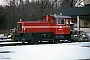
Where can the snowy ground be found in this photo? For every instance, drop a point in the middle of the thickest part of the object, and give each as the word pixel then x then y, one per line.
pixel 2 36
pixel 65 51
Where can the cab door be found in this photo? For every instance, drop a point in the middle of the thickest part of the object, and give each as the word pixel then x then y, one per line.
pixel 67 26
pixel 60 25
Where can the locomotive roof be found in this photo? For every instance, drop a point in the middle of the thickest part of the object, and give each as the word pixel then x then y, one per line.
pixel 33 22
pixel 58 16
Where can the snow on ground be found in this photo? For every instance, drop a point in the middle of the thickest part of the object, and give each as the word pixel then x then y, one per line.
pixel 65 51
pixel 2 36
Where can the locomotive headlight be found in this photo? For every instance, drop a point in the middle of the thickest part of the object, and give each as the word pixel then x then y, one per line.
pixel 60 26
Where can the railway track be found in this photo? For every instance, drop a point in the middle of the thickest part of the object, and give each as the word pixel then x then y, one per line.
pixel 11 43
pixel 6 40
pixel 20 43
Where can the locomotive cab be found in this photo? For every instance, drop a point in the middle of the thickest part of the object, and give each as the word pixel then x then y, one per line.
pixel 59 20
pixel 62 31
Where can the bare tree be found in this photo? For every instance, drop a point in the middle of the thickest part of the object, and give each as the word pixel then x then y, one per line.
pixel 67 3
pixel 45 6
pixel 8 2
pixel 2 20
pixel 31 10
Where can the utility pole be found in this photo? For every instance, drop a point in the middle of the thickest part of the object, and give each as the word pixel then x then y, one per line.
pixel 78 24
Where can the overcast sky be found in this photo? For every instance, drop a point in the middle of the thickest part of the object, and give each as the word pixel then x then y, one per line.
pixel 2 2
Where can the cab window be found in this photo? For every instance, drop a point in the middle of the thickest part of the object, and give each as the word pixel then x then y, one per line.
pixel 60 21
pixel 66 22
pixel 53 20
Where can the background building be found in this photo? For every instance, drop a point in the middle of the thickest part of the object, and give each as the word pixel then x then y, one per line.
pixel 80 15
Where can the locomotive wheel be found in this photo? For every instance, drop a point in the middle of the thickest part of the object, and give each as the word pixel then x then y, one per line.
pixel 56 41
pixel 23 40
pixel 51 41
pixel 30 42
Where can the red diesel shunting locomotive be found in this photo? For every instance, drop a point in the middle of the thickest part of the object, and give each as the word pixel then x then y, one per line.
pixel 51 28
